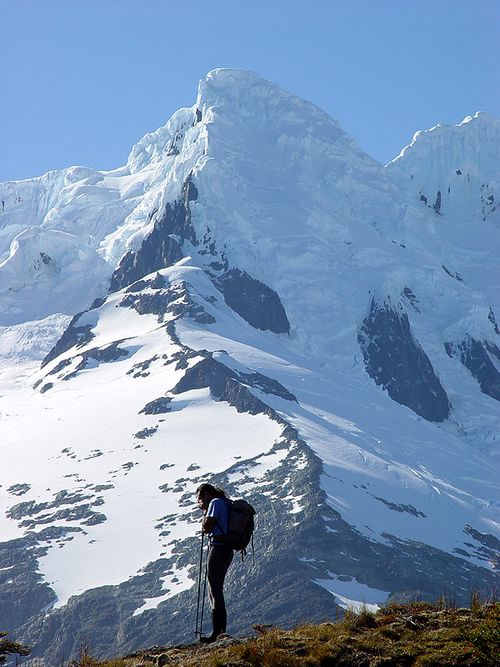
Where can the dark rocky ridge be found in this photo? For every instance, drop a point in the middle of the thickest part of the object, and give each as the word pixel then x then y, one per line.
pixel 175 300
pixel 490 548
pixel 24 593
pixel 159 406
pixel 398 507
pixel 473 354
pixel 159 249
pixel 254 301
pixel 492 319
pixel 19 489
pixel 73 336
pixel 107 354
pixel 226 384
pixel 66 506
pixel 395 360
pixel 158 282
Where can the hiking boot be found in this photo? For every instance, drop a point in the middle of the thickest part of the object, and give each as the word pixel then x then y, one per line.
pixel 223 621
pixel 218 625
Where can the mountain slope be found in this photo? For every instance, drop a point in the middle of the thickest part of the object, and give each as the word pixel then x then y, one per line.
pixel 276 311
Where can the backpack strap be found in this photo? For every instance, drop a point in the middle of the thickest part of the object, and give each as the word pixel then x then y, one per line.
pixel 223 532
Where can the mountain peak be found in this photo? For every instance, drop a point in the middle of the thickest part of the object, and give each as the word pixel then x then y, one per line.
pixel 453 169
pixel 256 99
pixel 481 122
pixel 482 117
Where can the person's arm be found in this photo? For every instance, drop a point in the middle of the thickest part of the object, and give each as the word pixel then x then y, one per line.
pixel 209 520
pixel 208 524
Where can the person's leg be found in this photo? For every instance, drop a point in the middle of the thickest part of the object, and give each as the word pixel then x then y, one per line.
pixel 219 559
pixel 208 575
pixel 227 562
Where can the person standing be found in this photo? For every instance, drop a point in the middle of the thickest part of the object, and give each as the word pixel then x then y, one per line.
pixel 215 507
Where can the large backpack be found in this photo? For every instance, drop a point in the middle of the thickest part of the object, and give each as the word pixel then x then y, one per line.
pixel 240 524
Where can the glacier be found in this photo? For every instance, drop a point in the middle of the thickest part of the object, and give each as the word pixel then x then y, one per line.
pixel 254 299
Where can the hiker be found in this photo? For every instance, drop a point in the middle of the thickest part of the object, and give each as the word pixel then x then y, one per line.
pixel 215 507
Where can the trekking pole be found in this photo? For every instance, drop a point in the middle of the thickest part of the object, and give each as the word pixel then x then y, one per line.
pixel 203 598
pixel 199 587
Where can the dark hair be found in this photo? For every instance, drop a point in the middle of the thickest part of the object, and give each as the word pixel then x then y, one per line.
pixel 212 490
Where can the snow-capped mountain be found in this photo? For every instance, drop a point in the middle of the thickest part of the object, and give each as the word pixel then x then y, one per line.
pixel 254 300
pixel 436 159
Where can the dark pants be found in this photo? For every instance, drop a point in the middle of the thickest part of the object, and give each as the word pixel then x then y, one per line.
pixel 219 560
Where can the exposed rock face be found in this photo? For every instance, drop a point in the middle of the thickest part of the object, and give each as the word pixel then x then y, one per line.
pixel 492 319
pixel 160 248
pixel 490 548
pixel 157 251
pixel 254 301
pixel 473 354
pixel 106 354
pixel 24 594
pixel 227 385
pixel 267 385
pixel 153 296
pixel 157 407
pixel 158 282
pixel 19 489
pixel 65 506
pixel 73 336
pixel 437 203
pixel 395 360
pixel 111 352
pixel 175 300
pixel 398 507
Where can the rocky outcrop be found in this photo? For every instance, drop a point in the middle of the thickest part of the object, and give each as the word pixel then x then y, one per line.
pixel 158 282
pixel 254 301
pixel 94 356
pixel 162 246
pixel 395 360
pixel 175 300
pixel 474 355
pixel 66 506
pixel 157 407
pixel 74 336
pixel 228 385
pixel 157 251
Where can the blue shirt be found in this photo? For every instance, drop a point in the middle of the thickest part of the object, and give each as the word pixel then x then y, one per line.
pixel 219 510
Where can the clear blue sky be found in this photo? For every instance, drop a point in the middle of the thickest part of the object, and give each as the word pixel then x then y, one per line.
pixel 82 81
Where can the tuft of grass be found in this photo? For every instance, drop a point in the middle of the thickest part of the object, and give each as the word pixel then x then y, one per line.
pixel 85 659
pixel 363 619
pixel 485 638
pixel 476 601
pixel 409 635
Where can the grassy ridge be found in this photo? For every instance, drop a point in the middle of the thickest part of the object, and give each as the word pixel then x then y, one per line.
pixel 419 634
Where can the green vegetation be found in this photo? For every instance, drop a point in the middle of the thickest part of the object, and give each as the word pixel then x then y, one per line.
pixel 8 647
pixel 416 635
